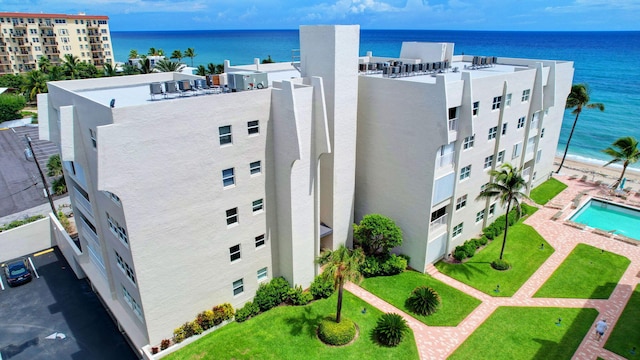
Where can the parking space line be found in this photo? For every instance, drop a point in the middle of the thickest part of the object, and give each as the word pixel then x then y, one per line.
pixel 34 268
pixel 43 252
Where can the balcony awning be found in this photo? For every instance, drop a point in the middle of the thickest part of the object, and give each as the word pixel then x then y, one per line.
pixel 325 230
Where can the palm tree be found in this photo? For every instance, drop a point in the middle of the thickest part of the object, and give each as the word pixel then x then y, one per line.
pixel 341 265
pixel 190 53
pixel 56 73
pixel 145 66
pixel 70 65
pixel 128 69
pixel 109 70
pixel 152 51
pixel 506 185
pixel 211 69
pixel 626 151
pixel 54 166
pixel 578 99
pixel 201 70
pixel 133 54
pixel 166 65
pixel 36 83
pixel 177 54
pixel 44 64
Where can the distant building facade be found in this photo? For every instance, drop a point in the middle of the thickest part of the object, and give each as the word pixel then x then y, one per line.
pixel 25 37
pixel 183 201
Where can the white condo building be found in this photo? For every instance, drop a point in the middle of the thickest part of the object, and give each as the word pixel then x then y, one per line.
pixel 183 202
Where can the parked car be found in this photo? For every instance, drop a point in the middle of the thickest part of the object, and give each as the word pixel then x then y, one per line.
pixel 17 272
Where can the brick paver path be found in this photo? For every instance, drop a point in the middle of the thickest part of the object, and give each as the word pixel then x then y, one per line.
pixel 438 342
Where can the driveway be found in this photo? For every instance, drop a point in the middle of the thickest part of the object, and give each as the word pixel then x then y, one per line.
pixel 57 317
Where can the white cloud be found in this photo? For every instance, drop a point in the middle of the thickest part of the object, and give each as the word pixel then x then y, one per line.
pixel 596 5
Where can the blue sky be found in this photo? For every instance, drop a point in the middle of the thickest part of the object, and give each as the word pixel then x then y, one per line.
pixel 370 14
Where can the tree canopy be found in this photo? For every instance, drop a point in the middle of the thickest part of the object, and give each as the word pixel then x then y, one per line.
pixel 377 234
pixel 341 265
pixel 624 150
pixel 10 106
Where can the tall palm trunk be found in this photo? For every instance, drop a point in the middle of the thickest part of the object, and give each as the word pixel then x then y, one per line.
pixel 624 169
pixel 506 228
pixel 568 142
pixel 339 309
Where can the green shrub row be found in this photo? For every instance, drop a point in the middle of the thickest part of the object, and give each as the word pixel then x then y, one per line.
pixel 204 321
pixel 497 227
pixel 272 294
pixel 16 223
pixel 383 265
pixel 469 247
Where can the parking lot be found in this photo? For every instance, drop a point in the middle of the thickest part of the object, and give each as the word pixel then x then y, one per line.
pixel 57 317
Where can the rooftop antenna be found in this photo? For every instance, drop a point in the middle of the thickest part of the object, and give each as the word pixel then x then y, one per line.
pixel 112 103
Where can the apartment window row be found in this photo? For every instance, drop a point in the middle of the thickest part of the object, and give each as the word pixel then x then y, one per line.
pixel 131 302
pixel 461 202
pixel 238 285
pixel 126 269
pixel 228 175
pixel 117 230
pixel 232 214
pixel 224 132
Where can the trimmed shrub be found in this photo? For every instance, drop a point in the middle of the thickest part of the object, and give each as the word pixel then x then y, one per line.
pixel 248 310
pixel 180 334
pixel 423 301
pixel 164 344
pixel 483 241
pixel 321 288
pixel 383 265
pixel 221 313
pixel 459 254
pixel 370 267
pixel 205 319
pixel 297 296
pixel 332 333
pixel 282 287
pixel 393 265
pixel 406 257
pixel 500 264
pixel 272 294
pixel 469 248
pixel 390 329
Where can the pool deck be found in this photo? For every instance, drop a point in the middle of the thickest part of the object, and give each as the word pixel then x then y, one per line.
pixel 440 342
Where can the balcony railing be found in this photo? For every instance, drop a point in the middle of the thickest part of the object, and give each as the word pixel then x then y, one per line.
pixel 445 160
pixel 453 124
pixel 438 223
pixel 84 202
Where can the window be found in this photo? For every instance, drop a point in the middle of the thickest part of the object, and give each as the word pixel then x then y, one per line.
pixel 131 302
pixel 492 210
pixel 260 240
pixel 493 132
pixel 465 172
pixel 461 202
pixel 476 108
pixel 538 156
pixel 262 274
pixel 500 158
pixel 228 178
pixel 232 216
pixel 453 113
pixel 496 103
pixel 125 268
pixel 504 129
pixel 521 122
pixel 468 142
pixel 457 230
pixel 253 127
pixel 117 230
pixel 234 252
pixel 438 213
pixel 257 206
pixel 225 134
pixel 114 197
pixel 92 134
pixel 488 161
pixel 238 287
pixel 542 133
pixel 479 215
pixel 517 149
pixel 507 101
pixel 525 95
pixel 255 168
pixel 484 187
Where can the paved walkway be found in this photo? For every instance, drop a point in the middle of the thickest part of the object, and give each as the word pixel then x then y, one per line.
pixel 438 342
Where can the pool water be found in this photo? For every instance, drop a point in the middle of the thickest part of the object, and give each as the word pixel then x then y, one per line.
pixel 610 217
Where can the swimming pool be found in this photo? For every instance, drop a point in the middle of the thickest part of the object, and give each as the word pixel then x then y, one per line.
pixel 610 217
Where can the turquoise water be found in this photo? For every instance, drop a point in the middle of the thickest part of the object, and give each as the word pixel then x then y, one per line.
pixel 609 217
pixel 607 61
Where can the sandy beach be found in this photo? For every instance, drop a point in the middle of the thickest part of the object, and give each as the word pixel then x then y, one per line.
pixel 596 172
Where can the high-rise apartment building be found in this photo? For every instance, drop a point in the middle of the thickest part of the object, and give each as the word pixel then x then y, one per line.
pixel 187 198
pixel 26 37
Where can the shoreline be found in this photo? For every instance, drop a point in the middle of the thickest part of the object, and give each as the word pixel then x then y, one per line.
pixel 596 171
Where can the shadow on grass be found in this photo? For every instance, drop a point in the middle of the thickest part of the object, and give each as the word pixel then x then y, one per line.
pixel 569 343
pixel 305 323
pixel 468 271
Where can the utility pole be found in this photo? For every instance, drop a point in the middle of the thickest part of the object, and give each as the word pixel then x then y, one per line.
pixel 44 180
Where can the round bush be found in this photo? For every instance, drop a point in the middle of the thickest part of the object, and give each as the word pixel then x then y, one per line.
pixel 321 287
pixel 390 329
pixel 423 301
pixel 459 254
pixel 501 265
pixel 470 248
pixel 332 333
pixel 483 241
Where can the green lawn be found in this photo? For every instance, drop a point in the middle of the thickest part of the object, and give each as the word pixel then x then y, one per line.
pixel 288 332
pixel 528 333
pixel 522 251
pixel 626 333
pixel 546 191
pixel 395 290
pixel 587 273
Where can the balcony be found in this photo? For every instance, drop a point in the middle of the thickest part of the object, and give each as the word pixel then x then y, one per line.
pixel 438 225
pixel 83 201
pixel 453 129
pixel 445 160
pixel 526 173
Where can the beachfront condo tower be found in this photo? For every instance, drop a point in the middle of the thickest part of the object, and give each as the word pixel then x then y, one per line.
pixel 189 192
pixel 26 37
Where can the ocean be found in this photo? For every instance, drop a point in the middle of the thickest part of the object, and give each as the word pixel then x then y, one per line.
pixel 608 61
